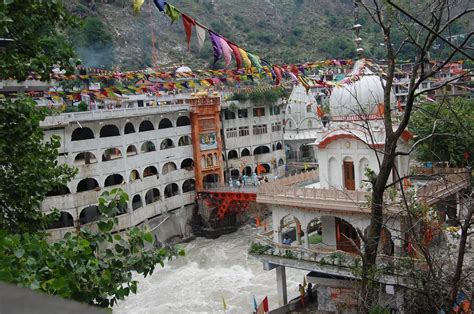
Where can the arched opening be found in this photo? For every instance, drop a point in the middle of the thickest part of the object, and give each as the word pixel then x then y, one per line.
pixel 80 134
pixel 308 108
pixel 187 164
pixel 129 128
pixel 165 124
pixel 290 228
pixel 146 126
pixel 113 179
pixel 89 214
pixel 87 184
pixel 148 147
pixel 247 171
pixel 363 165
pixel 65 220
pixel 184 141
pixel 134 175
pixel 346 236
pixel 60 190
pixel 85 158
pixel 122 209
pixel 315 233
pixel 152 196
pixel 167 143
pixel 209 162
pixel 111 154
pixel 182 121
pixel 171 190
pixel 281 162
pixel 210 180
pixel 232 154
pixel 136 202
pixel 261 150
pixel 245 152
pixel 262 169
pixel 168 167
pixel 150 171
pixel 279 146
pixel 189 185
pixel 310 124
pixel 109 130
pixel 333 172
pixel 348 172
pixel 131 150
pixel 235 174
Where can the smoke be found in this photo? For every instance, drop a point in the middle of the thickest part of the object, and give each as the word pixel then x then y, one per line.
pixel 98 57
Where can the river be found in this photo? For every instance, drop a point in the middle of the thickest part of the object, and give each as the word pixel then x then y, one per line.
pixel 210 271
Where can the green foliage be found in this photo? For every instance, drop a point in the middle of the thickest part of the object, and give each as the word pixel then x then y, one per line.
pixel 82 106
pixel 35 27
pixel 260 96
pixel 88 266
pixel 258 248
pixel 454 131
pixel 315 238
pixel 29 166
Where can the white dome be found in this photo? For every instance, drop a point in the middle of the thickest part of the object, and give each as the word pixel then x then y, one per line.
pixel 182 69
pixel 359 93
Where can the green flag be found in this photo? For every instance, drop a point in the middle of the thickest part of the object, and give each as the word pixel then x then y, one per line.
pixel 172 12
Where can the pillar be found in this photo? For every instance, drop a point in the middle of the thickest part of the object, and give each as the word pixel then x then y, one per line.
pixel 306 239
pixel 281 285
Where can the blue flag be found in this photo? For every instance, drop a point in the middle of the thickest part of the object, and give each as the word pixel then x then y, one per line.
pixel 160 4
pixel 255 306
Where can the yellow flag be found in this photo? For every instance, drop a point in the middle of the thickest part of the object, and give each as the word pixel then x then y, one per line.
pixel 304 281
pixel 224 304
pixel 137 5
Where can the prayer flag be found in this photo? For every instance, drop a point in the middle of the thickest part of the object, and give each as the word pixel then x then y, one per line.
pixel 255 306
pixel 245 58
pixel 278 76
pixel 304 278
pixel 201 35
pixel 255 61
pixel 188 24
pixel 160 4
pixel 137 5
pixel 235 50
pixel 216 45
pixel 226 51
pixel 224 304
pixel 320 111
pixel 263 307
pixel 172 12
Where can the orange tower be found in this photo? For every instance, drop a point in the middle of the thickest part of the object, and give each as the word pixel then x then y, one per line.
pixel 207 142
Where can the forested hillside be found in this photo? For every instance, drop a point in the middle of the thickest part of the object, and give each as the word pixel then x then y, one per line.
pixel 280 31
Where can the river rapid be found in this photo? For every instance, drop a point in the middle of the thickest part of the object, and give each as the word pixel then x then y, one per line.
pixel 210 271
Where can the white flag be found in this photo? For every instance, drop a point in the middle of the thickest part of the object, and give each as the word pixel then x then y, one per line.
pixel 201 35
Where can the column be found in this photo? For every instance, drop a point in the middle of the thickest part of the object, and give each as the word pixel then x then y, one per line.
pixel 306 239
pixel 281 285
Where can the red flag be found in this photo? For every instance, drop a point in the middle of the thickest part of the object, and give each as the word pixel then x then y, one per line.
pixel 278 76
pixel 238 57
pixel 320 111
pixel 263 307
pixel 188 24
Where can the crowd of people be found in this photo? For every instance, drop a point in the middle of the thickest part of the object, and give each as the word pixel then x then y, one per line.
pixel 245 180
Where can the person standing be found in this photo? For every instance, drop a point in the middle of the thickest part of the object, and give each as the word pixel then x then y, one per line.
pixel 309 290
pixel 301 288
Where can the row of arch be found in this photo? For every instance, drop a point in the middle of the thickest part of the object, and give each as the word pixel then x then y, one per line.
pixel 263 149
pixel 91 213
pixel 109 130
pixel 116 153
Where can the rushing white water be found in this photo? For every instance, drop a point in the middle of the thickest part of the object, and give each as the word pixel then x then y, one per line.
pixel 210 271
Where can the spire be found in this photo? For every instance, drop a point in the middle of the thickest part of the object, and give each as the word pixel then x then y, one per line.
pixel 356 28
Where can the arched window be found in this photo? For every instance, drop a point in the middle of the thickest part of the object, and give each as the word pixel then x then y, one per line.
pixel 171 190
pixel 165 124
pixel 131 150
pixel 310 124
pixel 150 171
pixel 137 202
pixel 109 130
pixel 210 180
pixel 134 175
pixel 235 174
pixel 168 167
pixel 189 185
pixel 166 144
pixel 152 196
pixel 146 126
pixel 245 152
pixel 281 162
pixel 261 150
pixel 65 220
pixel 247 171
pixel 113 179
pixel 262 168
pixel 308 108
pixel 111 154
pixel 288 110
pixel 80 134
pixel 89 214
pixel 85 158
pixel 184 140
pixel 187 164
pixel 279 146
pixel 182 121
pixel 148 147
pixel 129 128
pixel 87 184
pixel 60 190
pixel 209 162
pixel 232 154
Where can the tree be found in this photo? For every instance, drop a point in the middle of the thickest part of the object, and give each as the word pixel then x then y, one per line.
pixel 35 26
pixel 423 23
pixel 88 266
pixel 29 166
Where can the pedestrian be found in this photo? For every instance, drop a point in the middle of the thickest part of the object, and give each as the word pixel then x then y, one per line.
pixel 310 291
pixel 286 240
pixel 301 288
pixel 237 183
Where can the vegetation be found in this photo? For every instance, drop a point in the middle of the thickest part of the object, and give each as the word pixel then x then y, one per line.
pixel 260 96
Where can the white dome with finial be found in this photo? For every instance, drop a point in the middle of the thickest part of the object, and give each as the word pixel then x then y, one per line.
pixel 359 93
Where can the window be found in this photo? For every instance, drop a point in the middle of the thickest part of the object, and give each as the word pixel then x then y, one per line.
pixel 229 115
pixel 243 131
pixel 259 129
pixel 243 113
pixel 276 126
pixel 275 110
pixel 231 132
pixel 259 112
pixel 308 108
